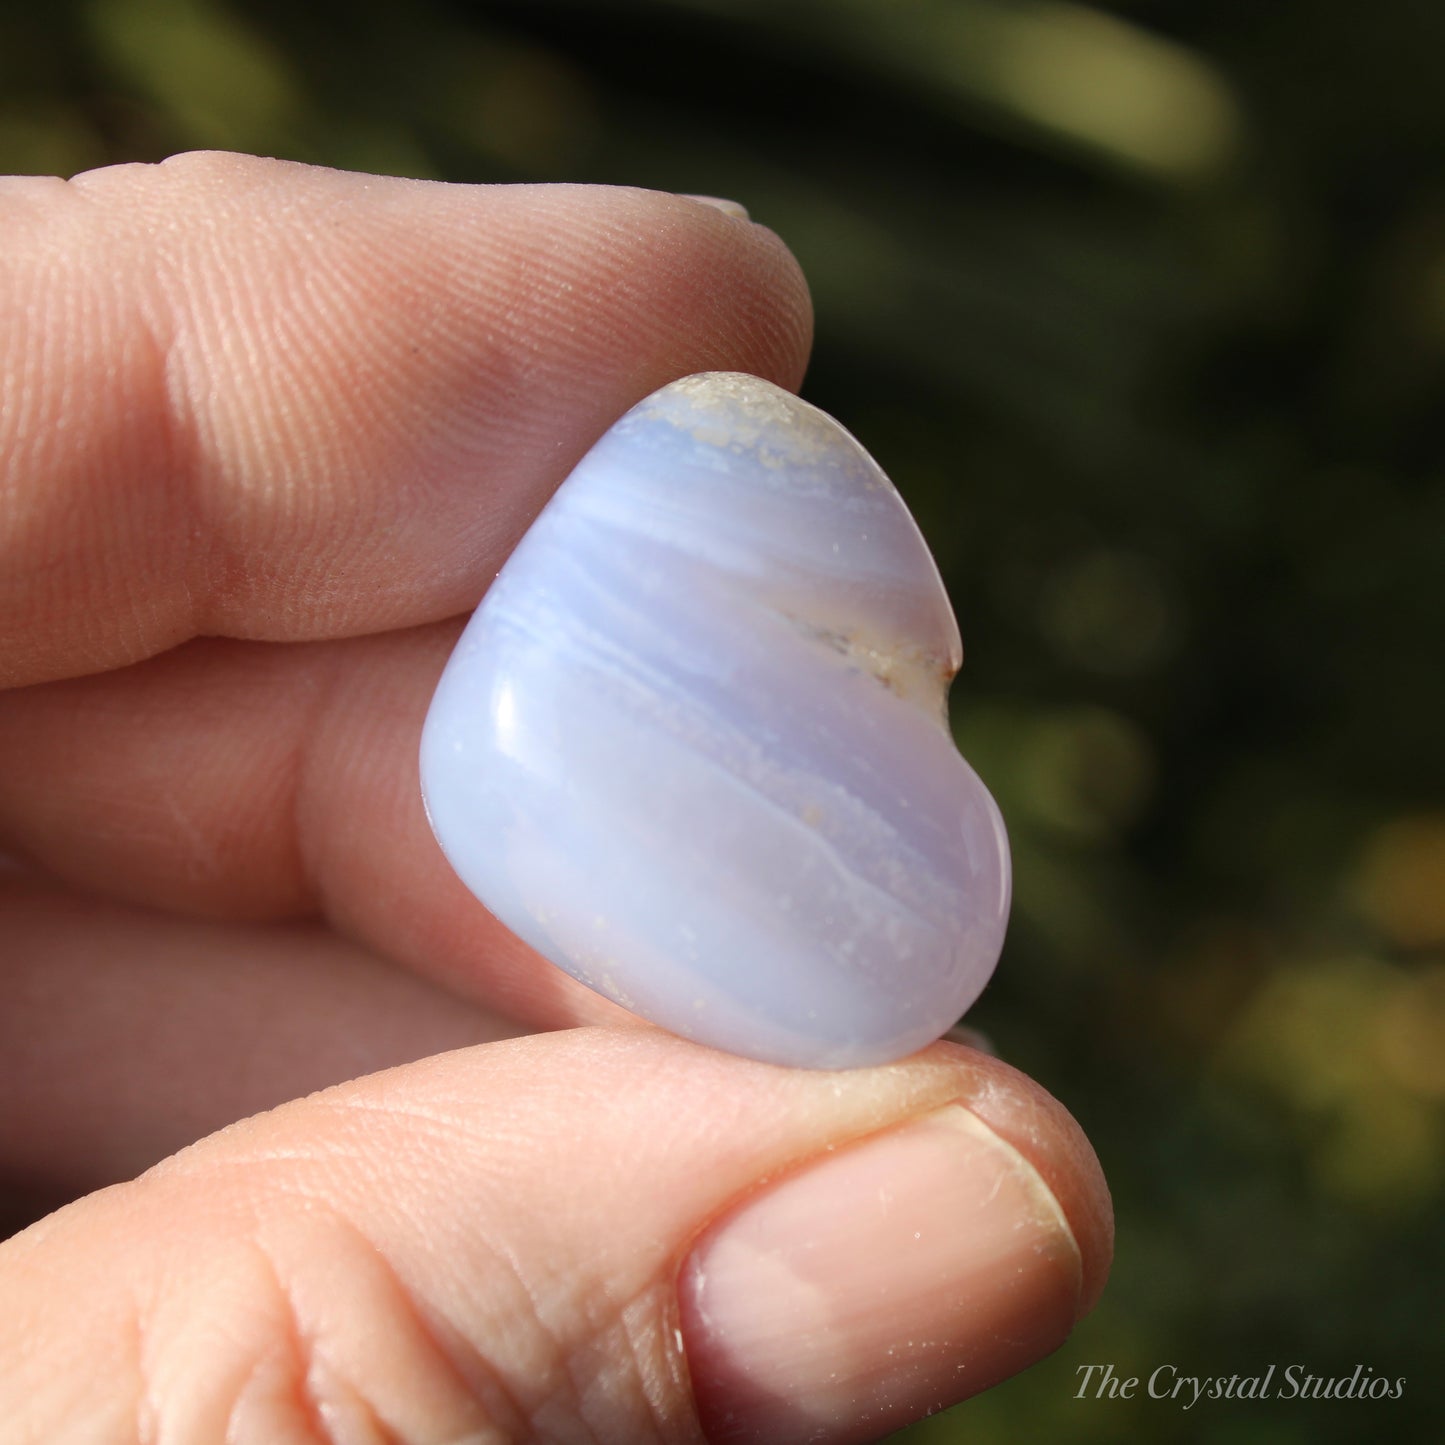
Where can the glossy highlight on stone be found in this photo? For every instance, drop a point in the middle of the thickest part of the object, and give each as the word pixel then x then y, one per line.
pixel 693 745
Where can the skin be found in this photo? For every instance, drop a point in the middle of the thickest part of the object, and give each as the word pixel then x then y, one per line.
pixel 266 433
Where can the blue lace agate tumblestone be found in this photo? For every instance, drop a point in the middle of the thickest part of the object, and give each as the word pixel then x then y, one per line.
pixel 693 745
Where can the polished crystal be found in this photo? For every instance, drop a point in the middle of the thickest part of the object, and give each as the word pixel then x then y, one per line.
pixel 693 745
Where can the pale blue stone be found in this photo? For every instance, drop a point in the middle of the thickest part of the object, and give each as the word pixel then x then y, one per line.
pixel 693 747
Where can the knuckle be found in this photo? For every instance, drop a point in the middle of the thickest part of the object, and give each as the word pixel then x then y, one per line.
pixel 298 1331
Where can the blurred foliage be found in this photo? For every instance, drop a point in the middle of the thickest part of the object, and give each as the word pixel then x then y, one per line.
pixel 1144 309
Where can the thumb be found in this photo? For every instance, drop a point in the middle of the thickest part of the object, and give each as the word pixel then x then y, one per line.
pixel 603 1235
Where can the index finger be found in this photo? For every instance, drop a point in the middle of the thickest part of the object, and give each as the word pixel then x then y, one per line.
pixel 255 399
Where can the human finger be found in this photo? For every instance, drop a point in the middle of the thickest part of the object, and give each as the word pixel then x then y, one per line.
pixel 126 1034
pixel 257 399
pixel 603 1234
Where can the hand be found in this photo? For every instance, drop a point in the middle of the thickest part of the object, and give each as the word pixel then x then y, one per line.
pixel 265 432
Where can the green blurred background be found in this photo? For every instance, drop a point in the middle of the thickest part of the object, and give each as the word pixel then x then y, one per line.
pixel 1143 307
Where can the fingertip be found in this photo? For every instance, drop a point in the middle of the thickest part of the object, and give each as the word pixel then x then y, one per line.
pixel 1035 1123
pixel 895 1274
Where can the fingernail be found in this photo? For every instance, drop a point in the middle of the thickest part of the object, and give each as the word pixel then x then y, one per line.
pixel 731 208
pixel 883 1283
pixel 974 1039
